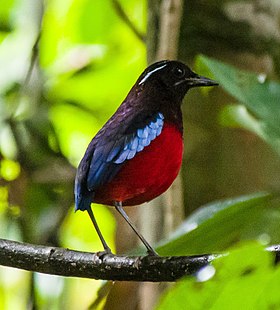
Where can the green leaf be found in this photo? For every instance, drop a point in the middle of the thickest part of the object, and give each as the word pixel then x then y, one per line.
pixel 238 116
pixel 5 14
pixel 258 94
pixel 216 226
pixel 244 279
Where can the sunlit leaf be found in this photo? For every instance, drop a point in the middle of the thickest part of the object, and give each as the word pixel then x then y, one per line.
pixel 216 226
pixel 244 279
pixel 5 14
pixel 9 169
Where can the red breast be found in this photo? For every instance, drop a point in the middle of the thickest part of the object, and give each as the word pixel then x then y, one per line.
pixel 148 174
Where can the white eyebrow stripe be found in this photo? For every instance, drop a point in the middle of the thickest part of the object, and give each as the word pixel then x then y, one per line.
pixel 150 73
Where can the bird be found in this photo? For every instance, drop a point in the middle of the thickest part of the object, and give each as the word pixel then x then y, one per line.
pixel 137 154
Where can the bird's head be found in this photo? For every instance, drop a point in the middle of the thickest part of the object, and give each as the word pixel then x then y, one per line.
pixel 172 78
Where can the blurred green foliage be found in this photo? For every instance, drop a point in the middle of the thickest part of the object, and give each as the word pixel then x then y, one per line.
pixel 258 96
pixel 54 97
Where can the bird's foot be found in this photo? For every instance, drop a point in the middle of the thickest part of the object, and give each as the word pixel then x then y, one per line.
pixel 105 252
pixel 152 252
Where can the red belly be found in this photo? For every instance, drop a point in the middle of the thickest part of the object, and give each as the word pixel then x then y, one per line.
pixel 148 174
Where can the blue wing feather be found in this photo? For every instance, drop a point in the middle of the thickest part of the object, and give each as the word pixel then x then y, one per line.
pixel 131 154
pixel 140 148
pixel 114 152
pixel 122 157
pixel 134 144
pixel 143 137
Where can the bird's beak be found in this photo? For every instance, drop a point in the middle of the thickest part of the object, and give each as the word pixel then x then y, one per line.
pixel 198 81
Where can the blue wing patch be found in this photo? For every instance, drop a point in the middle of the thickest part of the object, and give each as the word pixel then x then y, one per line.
pixel 143 137
pixel 108 157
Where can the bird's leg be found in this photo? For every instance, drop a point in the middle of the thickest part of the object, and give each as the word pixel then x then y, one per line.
pixel 119 208
pixel 107 249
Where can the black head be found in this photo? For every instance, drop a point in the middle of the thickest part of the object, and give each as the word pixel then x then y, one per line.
pixel 172 77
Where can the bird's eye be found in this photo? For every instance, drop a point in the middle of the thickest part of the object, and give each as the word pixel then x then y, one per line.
pixel 179 72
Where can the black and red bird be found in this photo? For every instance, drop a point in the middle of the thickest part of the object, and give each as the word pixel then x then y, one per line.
pixel 137 154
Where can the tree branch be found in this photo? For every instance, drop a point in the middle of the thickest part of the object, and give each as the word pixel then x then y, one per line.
pixel 125 18
pixel 64 262
pixel 69 263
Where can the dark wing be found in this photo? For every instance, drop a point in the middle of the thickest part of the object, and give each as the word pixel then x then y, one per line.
pixel 106 155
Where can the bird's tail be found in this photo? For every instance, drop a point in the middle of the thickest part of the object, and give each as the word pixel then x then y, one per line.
pixel 83 198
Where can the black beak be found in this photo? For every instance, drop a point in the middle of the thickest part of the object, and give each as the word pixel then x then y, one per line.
pixel 198 81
